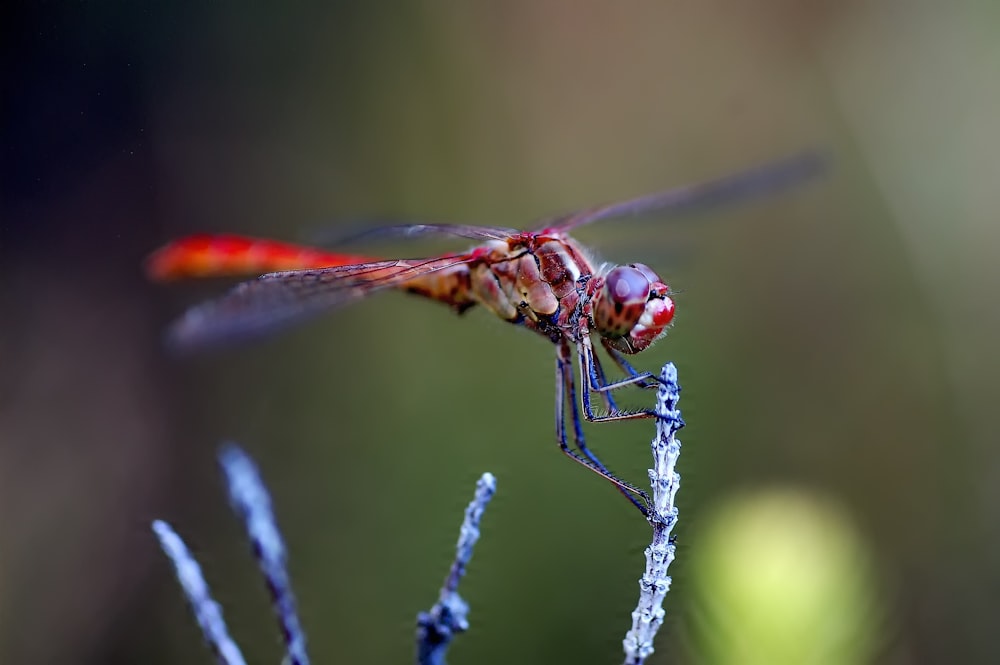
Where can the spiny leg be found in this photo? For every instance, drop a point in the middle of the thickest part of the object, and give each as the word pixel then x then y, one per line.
pixel 594 375
pixel 585 350
pixel 565 389
pixel 649 379
pixel 601 379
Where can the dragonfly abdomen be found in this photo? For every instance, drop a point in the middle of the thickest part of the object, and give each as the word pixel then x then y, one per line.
pixel 229 255
pixel 451 286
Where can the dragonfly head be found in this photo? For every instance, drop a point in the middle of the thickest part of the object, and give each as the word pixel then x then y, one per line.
pixel 631 309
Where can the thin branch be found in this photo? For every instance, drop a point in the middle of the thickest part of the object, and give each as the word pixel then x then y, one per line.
pixel 206 611
pixel 654 583
pixel 449 616
pixel 251 501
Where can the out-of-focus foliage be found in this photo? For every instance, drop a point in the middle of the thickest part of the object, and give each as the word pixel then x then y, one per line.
pixel 783 578
pixel 839 338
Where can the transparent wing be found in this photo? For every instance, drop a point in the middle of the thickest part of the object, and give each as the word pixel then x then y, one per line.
pixel 759 181
pixel 277 300
pixel 410 229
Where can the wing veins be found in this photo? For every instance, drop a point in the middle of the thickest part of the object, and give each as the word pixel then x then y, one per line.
pixel 411 230
pixel 279 299
pixel 757 181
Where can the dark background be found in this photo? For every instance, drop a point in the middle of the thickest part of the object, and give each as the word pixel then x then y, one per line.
pixel 836 344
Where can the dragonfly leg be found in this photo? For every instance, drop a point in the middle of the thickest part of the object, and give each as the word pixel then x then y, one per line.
pixel 601 379
pixel 588 376
pixel 594 375
pixel 626 367
pixel 566 392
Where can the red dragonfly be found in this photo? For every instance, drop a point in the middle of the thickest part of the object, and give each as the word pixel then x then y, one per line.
pixel 541 280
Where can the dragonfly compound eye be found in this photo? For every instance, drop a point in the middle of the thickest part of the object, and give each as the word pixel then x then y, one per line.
pixel 621 301
pixel 632 308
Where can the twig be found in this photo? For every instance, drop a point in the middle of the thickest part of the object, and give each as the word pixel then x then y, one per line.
pixel 251 501
pixel 206 611
pixel 654 584
pixel 449 616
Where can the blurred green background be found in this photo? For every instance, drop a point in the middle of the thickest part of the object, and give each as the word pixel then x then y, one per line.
pixel 836 344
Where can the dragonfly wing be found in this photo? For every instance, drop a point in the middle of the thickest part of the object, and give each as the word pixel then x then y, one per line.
pixel 280 299
pixel 759 181
pixel 413 230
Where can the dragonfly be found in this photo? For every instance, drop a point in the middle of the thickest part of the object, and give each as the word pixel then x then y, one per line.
pixel 541 280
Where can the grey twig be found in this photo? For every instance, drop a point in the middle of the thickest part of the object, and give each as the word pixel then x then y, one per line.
pixel 206 611
pixel 449 616
pixel 251 501
pixel 654 583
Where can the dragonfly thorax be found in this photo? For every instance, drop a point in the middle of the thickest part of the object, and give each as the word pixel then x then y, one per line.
pixel 631 308
pixel 528 280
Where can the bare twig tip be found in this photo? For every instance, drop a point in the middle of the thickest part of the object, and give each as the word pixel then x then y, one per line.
pixel 252 502
pixel 449 616
pixel 207 612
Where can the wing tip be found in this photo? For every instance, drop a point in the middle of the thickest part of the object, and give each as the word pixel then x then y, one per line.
pixel 809 163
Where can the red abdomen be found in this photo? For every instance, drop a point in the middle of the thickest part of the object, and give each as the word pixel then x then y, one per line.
pixel 207 255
